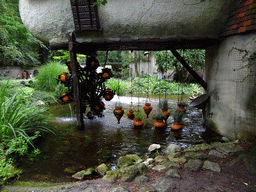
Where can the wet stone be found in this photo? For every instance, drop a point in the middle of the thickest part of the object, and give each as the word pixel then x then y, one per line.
pixel 142 168
pixel 111 176
pixel 195 155
pixel 227 148
pixel 154 147
pixel 178 160
pixel 202 146
pixel 216 153
pixel 128 173
pixel 208 165
pixel 173 173
pixel 172 148
pixel 147 189
pixel 162 184
pixel 159 168
pixel 91 189
pixel 125 161
pixel 83 174
pixel 173 154
pixel 148 161
pixel 160 158
pixel 135 157
pixel 194 165
pixel 118 189
pixel 102 169
pixel 140 179
pixel 169 164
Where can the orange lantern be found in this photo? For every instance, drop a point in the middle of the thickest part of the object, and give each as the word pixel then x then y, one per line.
pixel 147 108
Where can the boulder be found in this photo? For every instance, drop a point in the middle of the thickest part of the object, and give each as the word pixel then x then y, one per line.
pixel 173 148
pixel 160 158
pixel 111 176
pixel 147 188
pixel 140 179
pixel 228 148
pixel 173 173
pixel 128 173
pixel 135 157
pixel 202 146
pixel 159 168
pixel 154 147
pixel 142 167
pixel 102 169
pixel 216 154
pixel 208 165
pixel 194 164
pixel 125 161
pixel 195 155
pixel 119 189
pixel 162 184
pixel 83 174
pixel 169 164
pixel 178 160
pixel 148 161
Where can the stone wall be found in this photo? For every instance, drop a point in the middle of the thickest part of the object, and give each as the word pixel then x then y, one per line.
pixel 16 72
pixel 231 77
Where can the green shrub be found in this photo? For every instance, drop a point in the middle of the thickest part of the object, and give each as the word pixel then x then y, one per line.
pixel 19 119
pixel 121 87
pixel 46 79
pixel 7 170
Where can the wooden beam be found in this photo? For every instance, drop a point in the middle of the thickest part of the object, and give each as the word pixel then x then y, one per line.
pixel 189 69
pixel 76 85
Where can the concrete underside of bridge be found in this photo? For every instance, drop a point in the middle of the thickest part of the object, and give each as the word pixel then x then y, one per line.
pixel 230 68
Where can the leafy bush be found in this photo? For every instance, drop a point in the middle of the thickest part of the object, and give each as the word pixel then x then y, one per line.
pixel 46 79
pixel 19 119
pixel 121 87
pixel 7 170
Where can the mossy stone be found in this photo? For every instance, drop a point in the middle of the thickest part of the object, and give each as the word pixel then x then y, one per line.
pixel 111 176
pixel 102 169
pixel 125 161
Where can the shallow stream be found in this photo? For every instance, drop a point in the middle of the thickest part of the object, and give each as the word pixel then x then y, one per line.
pixel 104 140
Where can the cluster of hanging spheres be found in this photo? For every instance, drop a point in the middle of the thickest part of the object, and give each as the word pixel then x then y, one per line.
pixel 92 90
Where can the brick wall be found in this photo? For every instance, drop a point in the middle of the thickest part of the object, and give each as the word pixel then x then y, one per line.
pixel 243 18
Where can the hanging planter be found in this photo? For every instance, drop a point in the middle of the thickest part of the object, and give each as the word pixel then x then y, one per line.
pixel 92 63
pixel 130 114
pixel 164 108
pixel 106 73
pixel 181 106
pixel 109 94
pixel 138 122
pixel 66 97
pixel 177 119
pixel 118 112
pixel 159 123
pixel 176 126
pixel 147 108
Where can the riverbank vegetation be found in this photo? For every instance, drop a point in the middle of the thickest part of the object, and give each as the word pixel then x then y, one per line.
pixel 153 86
pixel 21 123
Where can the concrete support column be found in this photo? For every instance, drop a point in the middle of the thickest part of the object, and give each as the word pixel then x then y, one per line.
pixel 230 73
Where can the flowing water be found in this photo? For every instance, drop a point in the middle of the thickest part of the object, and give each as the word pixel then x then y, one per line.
pixel 104 140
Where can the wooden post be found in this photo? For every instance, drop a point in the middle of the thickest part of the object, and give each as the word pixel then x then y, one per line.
pixel 189 69
pixel 76 85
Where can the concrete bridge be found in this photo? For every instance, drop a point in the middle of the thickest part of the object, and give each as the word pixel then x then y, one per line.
pixel 225 28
